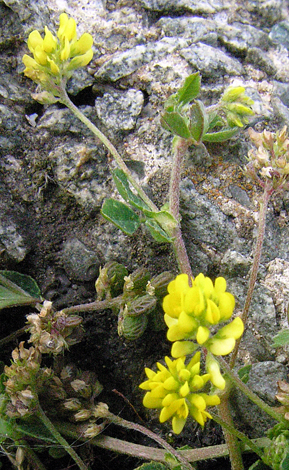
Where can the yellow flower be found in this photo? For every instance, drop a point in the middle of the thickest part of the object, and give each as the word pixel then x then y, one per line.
pixel 175 391
pixel 55 57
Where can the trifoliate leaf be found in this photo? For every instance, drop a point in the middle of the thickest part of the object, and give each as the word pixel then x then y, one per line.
pixel 243 373
pixel 121 216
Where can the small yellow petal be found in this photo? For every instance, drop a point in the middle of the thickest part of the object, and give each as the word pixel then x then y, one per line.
pixel 81 46
pixel 40 55
pixel 183 348
pixel 80 60
pixel 203 334
pixel 65 52
pixel 151 402
pixel 184 390
pixel 34 39
pixel 178 424
pixel 221 347
pixel 234 329
pixel 49 41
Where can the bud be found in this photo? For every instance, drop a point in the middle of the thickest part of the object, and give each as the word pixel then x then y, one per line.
pixel 83 415
pixel 160 283
pixel 72 404
pixel 141 306
pixel 137 281
pixel 132 327
pixel 93 430
pixel 110 280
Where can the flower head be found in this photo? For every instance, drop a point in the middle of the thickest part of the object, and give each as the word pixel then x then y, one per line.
pixel 190 312
pixel 176 390
pixel 55 57
pixel 269 161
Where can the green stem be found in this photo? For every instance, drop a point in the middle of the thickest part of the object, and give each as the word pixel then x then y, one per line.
pixel 64 98
pixel 251 395
pixel 233 431
pixel 256 262
pixel 59 438
pixel 180 148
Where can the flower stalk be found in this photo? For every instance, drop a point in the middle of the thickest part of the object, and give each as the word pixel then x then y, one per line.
pixel 180 148
pixel 268 190
pixel 59 438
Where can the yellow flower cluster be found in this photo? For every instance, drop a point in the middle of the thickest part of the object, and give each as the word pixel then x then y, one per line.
pixel 175 390
pixel 55 57
pixel 190 311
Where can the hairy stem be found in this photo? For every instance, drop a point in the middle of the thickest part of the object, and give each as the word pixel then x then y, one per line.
pixel 228 428
pixel 59 438
pixel 256 262
pixel 151 453
pixel 64 98
pixel 147 432
pixel 180 148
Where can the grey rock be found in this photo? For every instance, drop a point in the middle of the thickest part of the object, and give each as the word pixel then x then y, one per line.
pixel 259 58
pixel 238 37
pixel 13 245
pixel 279 34
pixel 204 221
pixel 281 91
pixel 119 110
pixel 193 6
pixel 125 63
pixel 263 379
pixel 80 262
pixel 234 264
pixel 211 62
pixel 11 28
pixel 63 121
pixel 262 325
pixel 266 12
pixel 195 28
pixel 37 13
pixel 82 172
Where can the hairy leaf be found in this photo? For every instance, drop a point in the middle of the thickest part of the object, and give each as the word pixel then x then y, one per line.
pixel 176 124
pixel 120 215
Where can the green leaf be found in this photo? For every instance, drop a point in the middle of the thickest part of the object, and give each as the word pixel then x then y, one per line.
pixel 281 339
pixel 285 463
pixel 152 466
pixel 220 136
pixel 17 289
pixel 198 121
pixel 163 217
pixel 176 124
pixel 157 232
pixel 243 373
pixel 124 190
pixel 120 215
pixel 190 89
